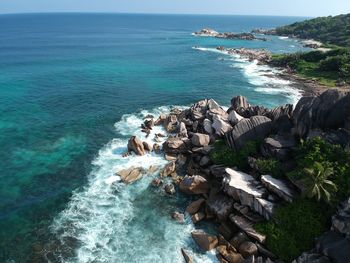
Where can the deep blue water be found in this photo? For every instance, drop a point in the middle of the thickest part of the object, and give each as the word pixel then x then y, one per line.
pixel 66 79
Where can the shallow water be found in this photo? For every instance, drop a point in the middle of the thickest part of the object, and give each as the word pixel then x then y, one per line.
pixel 66 81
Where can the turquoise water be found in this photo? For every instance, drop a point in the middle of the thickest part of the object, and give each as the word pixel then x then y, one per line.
pixel 66 83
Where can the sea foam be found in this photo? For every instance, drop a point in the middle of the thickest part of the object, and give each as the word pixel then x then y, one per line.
pixel 114 222
pixel 263 77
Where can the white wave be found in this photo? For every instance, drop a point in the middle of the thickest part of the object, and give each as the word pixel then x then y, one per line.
pixel 283 37
pixel 114 222
pixel 262 76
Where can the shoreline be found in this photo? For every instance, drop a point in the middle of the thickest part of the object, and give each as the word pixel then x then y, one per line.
pixel 224 195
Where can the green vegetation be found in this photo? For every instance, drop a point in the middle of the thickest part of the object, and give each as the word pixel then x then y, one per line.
pixel 222 154
pixel 294 228
pixel 271 167
pixel 330 30
pixel 323 168
pixel 326 67
pixel 317 182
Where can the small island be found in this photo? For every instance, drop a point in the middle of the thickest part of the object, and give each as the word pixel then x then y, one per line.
pixel 207 32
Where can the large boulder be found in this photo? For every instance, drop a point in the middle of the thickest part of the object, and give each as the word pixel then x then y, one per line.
pixel 220 125
pixel 247 227
pixel 248 191
pixel 335 246
pixel 279 147
pixel 220 205
pixel 194 185
pixel 205 241
pixel 135 145
pixel 171 123
pixel 131 174
pixel 175 145
pixel 200 139
pixel 194 207
pixel 247 249
pixel 234 117
pixel 341 220
pixel 229 255
pixel 168 169
pixel 255 128
pixel 279 187
pixel 330 110
pixel 312 258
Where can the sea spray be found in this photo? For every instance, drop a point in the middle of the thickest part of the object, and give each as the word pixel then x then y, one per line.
pixel 263 77
pixel 114 222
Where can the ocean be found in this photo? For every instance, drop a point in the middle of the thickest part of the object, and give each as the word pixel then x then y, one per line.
pixel 73 89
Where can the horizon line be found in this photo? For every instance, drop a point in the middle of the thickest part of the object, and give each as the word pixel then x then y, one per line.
pixel 146 13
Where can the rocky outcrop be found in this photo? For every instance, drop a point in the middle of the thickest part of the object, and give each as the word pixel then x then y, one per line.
pixel 279 147
pixel 254 128
pixel 205 241
pixel 261 55
pixel 280 187
pixel 131 174
pixel 135 145
pixel 194 185
pixel 187 257
pixel 176 145
pixel 200 140
pixel 247 226
pixel 248 191
pixel 195 206
pixel 207 32
pixel 328 111
pixel 341 220
pixel 220 205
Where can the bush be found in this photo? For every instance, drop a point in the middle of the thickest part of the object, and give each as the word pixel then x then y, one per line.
pixel 295 227
pixel 271 167
pixel 223 154
pixel 329 156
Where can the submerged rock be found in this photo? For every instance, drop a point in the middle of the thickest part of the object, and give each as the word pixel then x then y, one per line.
pixel 205 241
pixel 170 189
pixel 179 217
pixel 187 257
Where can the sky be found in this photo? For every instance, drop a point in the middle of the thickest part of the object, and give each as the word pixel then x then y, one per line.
pixel 310 8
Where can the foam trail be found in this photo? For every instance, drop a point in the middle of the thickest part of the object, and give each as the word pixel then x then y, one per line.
pixel 114 222
pixel 262 77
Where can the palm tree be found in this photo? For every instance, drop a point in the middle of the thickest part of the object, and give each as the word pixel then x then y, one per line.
pixel 317 183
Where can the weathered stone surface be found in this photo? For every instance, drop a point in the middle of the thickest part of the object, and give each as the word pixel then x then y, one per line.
pixel 152 169
pixel 147 146
pixel 135 145
pixel 168 169
pixel 234 117
pixel 205 241
pixel 207 126
pixel 247 227
pixel 187 257
pixel 157 182
pixel 229 255
pixel 330 110
pixel 131 174
pixel 255 128
pixel 182 130
pixel 248 191
pixel 335 246
pixel 341 220
pixel 197 217
pixel 205 161
pixel 200 139
pixel 239 239
pixel 194 185
pixel 239 103
pixel 279 187
pixel 312 258
pixel 220 205
pixel 175 146
pixel 227 229
pixel 220 125
pixel 194 207
pixel 247 249
pixel 171 123
pixel 279 147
